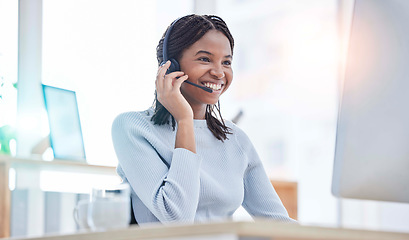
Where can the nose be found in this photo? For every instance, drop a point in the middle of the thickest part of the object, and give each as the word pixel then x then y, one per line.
pixel 217 71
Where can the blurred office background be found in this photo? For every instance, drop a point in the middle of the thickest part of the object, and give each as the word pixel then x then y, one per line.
pixel 288 69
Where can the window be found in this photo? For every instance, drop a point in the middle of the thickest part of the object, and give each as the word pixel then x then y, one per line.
pixel 8 75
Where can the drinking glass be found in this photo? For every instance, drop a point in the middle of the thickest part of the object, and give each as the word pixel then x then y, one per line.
pixel 109 208
pixel 80 214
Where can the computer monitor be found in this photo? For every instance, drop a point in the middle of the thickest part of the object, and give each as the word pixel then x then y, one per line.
pixel 372 141
pixel 64 121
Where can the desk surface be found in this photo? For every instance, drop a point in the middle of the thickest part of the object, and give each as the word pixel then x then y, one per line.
pixel 261 229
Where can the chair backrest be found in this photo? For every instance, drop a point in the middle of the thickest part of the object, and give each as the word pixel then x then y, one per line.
pixel 133 220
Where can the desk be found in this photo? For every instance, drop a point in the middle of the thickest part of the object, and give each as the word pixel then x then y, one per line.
pixel 259 230
pixel 285 189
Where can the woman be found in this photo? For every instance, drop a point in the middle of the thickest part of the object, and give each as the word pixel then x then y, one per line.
pixel 182 162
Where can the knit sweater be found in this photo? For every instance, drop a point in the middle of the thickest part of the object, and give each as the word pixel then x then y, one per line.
pixel 177 185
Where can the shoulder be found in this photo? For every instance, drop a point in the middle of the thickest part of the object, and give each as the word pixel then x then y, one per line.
pixel 132 120
pixel 134 116
pixel 237 132
pixel 239 136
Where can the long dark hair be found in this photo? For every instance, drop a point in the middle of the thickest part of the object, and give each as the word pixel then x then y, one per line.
pixel 185 32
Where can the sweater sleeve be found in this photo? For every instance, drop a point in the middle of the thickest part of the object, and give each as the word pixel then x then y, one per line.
pixel 171 194
pixel 260 198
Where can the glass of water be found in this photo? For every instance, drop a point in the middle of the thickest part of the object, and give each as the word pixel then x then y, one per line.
pixel 110 207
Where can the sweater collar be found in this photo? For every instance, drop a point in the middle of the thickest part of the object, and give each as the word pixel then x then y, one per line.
pixel 198 123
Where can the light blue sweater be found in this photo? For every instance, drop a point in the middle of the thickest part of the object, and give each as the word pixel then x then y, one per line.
pixel 170 185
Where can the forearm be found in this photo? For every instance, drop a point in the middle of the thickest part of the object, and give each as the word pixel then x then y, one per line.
pixel 185 135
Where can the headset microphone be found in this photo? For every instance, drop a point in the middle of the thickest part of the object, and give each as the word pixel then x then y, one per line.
pixel 174 64
pixel 201 87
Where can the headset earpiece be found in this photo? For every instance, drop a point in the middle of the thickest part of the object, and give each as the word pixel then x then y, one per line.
pixel 174 66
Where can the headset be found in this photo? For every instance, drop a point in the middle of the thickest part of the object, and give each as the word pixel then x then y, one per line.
pixel 174 64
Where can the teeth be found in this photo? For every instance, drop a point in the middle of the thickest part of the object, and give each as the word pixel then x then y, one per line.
pixel 213 86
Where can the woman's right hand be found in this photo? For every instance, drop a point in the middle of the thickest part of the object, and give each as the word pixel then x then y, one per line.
pixel 169 95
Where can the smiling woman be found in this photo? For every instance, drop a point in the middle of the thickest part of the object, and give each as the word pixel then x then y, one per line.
pixel 196 54
pixel 202 168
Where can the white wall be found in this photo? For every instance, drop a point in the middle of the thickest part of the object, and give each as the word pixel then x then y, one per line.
pixel 285 65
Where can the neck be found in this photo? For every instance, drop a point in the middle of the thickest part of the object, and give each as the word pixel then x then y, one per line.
pixel 199 111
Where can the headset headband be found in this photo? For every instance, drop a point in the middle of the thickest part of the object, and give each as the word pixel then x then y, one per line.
pixel 166 40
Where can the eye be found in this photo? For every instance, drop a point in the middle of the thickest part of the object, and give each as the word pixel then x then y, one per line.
pixel 227 62
pixel 204 59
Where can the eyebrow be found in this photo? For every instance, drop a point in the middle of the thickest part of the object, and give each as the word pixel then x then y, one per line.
pixel 209 53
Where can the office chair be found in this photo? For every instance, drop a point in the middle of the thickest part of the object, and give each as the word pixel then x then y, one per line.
pixel 133 220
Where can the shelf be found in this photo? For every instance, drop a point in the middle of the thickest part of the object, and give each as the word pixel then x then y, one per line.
pixel 37 164
pixel 56 164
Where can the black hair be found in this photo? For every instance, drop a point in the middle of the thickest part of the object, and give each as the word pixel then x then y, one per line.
pixel 185 32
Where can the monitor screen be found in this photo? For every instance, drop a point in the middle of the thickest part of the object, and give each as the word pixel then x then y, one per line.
pixel 372 142
pixel 65 127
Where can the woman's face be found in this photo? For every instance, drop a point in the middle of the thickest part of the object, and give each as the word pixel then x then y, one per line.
pixel 208 63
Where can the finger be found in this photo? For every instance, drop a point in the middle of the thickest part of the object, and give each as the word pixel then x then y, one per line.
pixel 175 74
pixel 161 75
pixel 158 83
pixel 178 82
pixel 170 78
pixel 163 69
